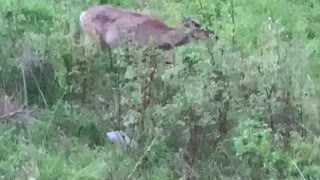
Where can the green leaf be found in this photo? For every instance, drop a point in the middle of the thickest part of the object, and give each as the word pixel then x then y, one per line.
pixel 130 73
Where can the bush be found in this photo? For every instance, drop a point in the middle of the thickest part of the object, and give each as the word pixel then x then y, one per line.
pixel 243 107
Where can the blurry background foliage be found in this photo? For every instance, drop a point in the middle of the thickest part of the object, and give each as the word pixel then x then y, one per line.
pixel 244 107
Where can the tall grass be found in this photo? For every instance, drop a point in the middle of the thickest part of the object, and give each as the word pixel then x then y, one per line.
pixel 246 106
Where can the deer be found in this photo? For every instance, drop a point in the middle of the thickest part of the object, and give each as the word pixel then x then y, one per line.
pixel 115 27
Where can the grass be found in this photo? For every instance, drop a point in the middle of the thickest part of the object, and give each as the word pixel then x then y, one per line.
pixel 250 112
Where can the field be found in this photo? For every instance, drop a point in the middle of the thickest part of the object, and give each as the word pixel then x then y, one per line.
pixel 243 107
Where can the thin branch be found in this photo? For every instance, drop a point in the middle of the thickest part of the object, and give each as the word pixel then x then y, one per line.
pixel 25 93
pixel 301 174
pixel 39 89
pixel 233 23
pixel 140 161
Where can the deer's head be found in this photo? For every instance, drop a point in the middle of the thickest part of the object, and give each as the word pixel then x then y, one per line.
pixel 196 30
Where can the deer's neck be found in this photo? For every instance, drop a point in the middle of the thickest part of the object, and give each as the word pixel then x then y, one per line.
pixel 174 38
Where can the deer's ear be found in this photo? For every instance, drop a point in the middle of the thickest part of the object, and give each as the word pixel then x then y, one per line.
pixel 188 18
pixel 195 24
pixel 190 22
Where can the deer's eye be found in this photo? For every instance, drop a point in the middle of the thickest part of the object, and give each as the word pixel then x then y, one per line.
pixel 187 25
pixel 196 25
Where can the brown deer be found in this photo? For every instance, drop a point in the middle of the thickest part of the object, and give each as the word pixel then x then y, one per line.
pixel 114 27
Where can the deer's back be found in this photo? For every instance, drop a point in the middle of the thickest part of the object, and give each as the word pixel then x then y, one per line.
pixel 143 28
pixel 144 31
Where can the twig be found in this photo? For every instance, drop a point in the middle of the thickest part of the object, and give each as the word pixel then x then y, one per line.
pixel 295 165
pixel 39 89
pixel 25 93
pixel 233 23
pixel 11 114
pixel 142 157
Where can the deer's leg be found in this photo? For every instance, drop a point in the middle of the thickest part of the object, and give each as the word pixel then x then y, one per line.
pixel 111 38
pixel 108 42
pixel 169 57
pixel 107 49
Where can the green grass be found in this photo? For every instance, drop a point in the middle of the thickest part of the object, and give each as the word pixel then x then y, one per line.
pixel 212 110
